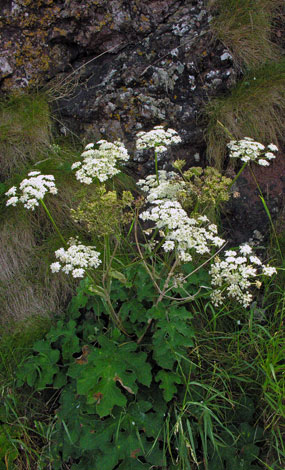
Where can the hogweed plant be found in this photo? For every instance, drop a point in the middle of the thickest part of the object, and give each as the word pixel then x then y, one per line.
pixel 119 378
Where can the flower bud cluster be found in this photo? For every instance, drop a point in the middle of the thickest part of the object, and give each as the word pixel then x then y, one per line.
pixel 157 138
pixel 76 259
pixel 100 163
pixel 31 190
pixel 249 150
pixel 181 232
pixel 234 275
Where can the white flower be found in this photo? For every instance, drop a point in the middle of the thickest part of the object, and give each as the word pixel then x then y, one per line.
pixel 167 188
pixel 255 260
pixel 217 297
pixel 263 162
pixel 89 146
pixel 245 249
pixel 168 245
pixel 234 276
pixel 213 228
pixel 230 253
pixel 158 138
pixel 269 155
pixel 55 267
pixel 12 191
pixel 204 218
pixel 185 232
pixel 272 147
pixel 12 201
pixel 249 150
pixel 32 190
pixel 75 165
pixel 269 271
pixel 78 272
pixel 76 259
pixel 100 163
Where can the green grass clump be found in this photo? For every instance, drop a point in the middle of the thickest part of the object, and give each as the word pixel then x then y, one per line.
pixel 254 108
pixel 20 411
pixel 25 128
pixel 245 28
pixel 17 339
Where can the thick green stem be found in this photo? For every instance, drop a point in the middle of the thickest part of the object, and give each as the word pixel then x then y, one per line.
pixel 238 175
pixel 53 222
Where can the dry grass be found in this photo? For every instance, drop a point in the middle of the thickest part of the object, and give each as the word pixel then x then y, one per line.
pixel 27 287
pixel 245 27
pixel 254 108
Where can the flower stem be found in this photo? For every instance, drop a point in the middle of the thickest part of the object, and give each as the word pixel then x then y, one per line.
pixel 53 222
pixel 238 175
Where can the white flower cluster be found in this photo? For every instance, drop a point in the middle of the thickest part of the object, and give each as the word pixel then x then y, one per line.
pixel 181 232
pixel 169 185
pixel 157 138
pixel 100 163
pixel 76 259
pixel 234 275
pixel 249 150
pixel 31 190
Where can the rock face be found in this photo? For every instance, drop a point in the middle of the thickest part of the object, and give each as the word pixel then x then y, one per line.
pixel 116 67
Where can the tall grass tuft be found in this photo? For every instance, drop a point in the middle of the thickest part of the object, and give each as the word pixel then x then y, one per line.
pixel 245 28
pixel 254 108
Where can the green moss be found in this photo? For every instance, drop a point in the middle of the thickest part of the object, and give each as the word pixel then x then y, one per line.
pixel 245 28
pixel 254 108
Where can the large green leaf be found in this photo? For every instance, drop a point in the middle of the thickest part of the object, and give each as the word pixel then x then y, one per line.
pixel 111 374
pixel 172 337
pixel 39 370
pixel 168 381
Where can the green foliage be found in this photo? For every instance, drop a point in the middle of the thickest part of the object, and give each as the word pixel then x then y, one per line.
pixel 239 450
pixel 16 343
pixel 138 400
pixel 19 410
pixel 111 388
pixel 142 371
pixel 103 212
pixel 204 190
pixel 8 452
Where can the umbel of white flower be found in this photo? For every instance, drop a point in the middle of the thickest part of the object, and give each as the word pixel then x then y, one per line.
pixel 235 274
pixel 182 233
pixel 168 186
pixel 31 190
pixel 76 259
pixel 101 162
pixel 158 138
pixel 248 150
